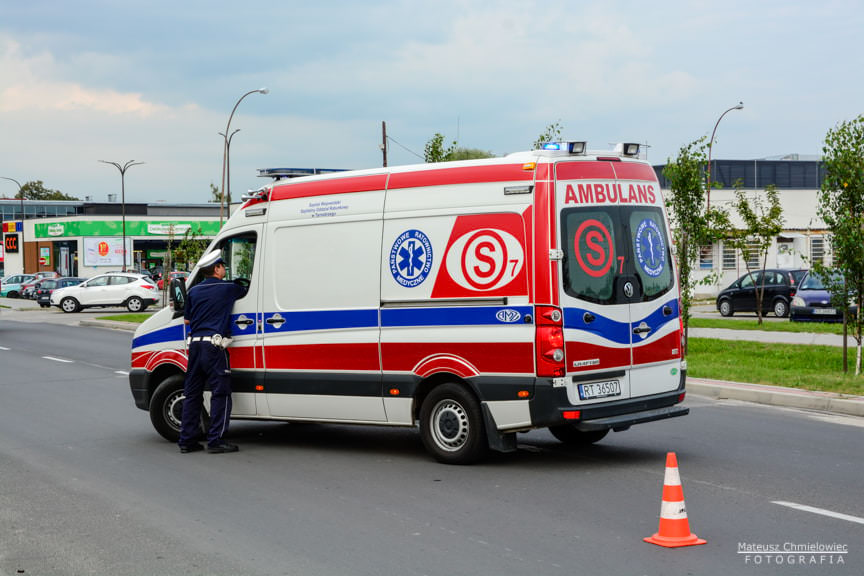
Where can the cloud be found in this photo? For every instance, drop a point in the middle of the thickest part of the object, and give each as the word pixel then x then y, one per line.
pixel 31 89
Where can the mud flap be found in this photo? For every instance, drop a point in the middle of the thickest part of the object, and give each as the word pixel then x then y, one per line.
pixel 498 441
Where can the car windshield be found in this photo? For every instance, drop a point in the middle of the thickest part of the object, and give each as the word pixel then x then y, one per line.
pixel 815 282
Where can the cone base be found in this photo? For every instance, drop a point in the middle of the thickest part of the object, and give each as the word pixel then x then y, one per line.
pixel 676 542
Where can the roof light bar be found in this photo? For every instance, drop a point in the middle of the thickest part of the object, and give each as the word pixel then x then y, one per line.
pixel 569 146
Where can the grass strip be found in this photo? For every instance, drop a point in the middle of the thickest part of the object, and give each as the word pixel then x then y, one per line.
pixel 794 366
pixel 770 326
pixel 133 318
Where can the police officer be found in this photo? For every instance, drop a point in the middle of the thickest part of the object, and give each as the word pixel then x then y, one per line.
pixel 208 314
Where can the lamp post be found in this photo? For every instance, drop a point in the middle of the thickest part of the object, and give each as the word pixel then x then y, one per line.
pixel 738 106
pixel 21 194
pixel 228 167
pixel 225 137
pixel 122 169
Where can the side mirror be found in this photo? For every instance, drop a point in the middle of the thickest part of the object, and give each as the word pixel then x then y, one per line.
pixel 177 294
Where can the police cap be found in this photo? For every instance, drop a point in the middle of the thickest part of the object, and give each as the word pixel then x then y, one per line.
pixel 211 259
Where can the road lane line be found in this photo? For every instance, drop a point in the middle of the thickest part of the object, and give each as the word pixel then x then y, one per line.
pixel 52 358
pixel 821 511
pixel 121 372
pixel 4 348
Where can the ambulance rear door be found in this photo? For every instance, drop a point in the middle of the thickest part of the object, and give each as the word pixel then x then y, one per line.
pixel 617 289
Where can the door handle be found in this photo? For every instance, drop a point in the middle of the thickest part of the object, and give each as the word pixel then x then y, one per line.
pixel 667 310
pixel 245 322
pixel 588 318
pixel 276 320
pixel 641 330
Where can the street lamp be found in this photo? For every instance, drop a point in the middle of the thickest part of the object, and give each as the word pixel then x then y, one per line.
pixel 21 194
pixel 225 137
pixel 738 106
pixel 228 167
pixel 122 170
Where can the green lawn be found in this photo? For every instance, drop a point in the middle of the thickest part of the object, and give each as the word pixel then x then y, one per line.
pixel 790 365
pixel 769 326
pixel 134 318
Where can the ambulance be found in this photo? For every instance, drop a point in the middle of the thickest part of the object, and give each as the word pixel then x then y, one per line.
pixel 472 299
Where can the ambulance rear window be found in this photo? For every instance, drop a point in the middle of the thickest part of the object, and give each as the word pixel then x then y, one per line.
pixel 606 245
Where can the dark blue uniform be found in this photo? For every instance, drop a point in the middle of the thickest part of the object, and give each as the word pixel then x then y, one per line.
pixel 208 311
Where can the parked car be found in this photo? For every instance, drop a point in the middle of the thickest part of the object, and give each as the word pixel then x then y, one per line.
pixel 28 289
pixel 11 287
pixel 780 287
pixel 48 274
pixel 48 285
pixel 134 291
pixel 171 276
pixel 812 302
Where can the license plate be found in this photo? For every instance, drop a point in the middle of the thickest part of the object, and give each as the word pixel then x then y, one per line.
pixel 600 389
pixel 825 311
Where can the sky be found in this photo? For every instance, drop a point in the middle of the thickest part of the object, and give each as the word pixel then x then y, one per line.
pixel 156 81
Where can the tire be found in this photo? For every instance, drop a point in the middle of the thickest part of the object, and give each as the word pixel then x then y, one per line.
pixel 781 308
pixel 569 435
pixel 451 425
pixel 41 305
pixel 69 305
pixel 12 294
pixel 166 409
pixel 135 304
pixel 726 308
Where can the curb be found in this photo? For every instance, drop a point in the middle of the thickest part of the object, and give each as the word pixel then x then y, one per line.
pixel 778 396
pixel 114 325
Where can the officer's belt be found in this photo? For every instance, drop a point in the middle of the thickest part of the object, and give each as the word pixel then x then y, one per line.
pixel 199 339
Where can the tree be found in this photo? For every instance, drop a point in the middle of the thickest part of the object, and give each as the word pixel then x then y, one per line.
pixel 435 151
pixel 841 206
pixel 36 190
pixel 469 154
pixel 763 221
pixel 552 134
pixel 190 249
pixel 693 225
pixel 215 194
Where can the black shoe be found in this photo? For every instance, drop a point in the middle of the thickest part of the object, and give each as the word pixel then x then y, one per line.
pixel 187 448
pixel 222 448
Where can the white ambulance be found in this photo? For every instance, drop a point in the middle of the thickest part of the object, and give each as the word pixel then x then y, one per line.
pixel 473 299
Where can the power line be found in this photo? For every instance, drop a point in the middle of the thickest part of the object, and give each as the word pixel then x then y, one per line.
pixel 390 138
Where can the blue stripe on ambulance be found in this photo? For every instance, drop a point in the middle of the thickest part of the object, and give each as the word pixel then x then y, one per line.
pixel 169 334
pixel 614 331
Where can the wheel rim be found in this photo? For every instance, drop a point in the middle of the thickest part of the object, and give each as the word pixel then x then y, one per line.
pixel 134 305
pixel 68 306
pixel 173 409
pixel 724 308
pixel 449 424
pixel 779 309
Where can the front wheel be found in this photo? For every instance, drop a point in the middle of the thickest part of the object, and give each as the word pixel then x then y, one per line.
pixel 69 305
pixel 567 434
pixel 451 425
pixel 781 309
pixel 166 409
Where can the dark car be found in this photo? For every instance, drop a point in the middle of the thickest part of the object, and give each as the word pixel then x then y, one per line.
pixel 780 287
pixel 47 286
pixel 812 303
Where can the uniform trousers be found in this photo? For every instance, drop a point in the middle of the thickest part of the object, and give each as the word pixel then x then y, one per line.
pixel 207 367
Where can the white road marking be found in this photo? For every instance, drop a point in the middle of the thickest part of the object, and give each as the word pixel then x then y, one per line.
pixel 58 359
pixel 121 372
pixel 4 348
pixel 821 511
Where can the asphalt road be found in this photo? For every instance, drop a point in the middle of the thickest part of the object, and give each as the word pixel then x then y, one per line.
pixel 87 487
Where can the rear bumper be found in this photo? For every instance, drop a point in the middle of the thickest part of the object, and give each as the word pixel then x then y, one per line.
pixel 549 404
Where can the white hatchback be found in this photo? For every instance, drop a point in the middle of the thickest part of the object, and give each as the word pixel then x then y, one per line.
pixel 134 291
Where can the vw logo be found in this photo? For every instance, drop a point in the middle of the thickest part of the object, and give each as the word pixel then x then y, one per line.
pixel 628 289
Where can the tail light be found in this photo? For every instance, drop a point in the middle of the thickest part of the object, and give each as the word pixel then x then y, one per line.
pixel 549 342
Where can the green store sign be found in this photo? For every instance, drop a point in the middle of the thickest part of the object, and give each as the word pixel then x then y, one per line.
pixel 133 228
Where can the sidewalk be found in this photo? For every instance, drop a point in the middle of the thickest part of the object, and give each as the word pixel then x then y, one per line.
pixel 807 338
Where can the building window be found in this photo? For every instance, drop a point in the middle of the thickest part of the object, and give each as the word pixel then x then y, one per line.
pixel 751 253
pixel 817 249
pixel 706 257
pixel 730 258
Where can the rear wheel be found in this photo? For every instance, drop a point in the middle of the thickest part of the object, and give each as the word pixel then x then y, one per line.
pixel 567 434
pixel 166 409
pixel 135 304
pixel 69 304
pixel 781 308
pixel 726 308
pixel 451 425
pixel 12 294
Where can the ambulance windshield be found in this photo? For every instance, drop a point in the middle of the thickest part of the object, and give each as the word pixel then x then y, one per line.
pixel 604 246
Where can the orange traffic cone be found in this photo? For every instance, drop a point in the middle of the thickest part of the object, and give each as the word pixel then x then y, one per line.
pixel 674 530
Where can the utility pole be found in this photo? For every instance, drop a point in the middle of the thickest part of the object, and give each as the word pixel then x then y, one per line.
pixel 384 141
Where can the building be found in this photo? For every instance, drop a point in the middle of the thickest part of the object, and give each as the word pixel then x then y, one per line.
pixel 804 238
pixel 78 238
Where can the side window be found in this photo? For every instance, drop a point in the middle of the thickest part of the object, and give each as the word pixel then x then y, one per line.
pixel 103 281
pixel 239 255
pixel 748 281
pixel 653 260
pixel 118 280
